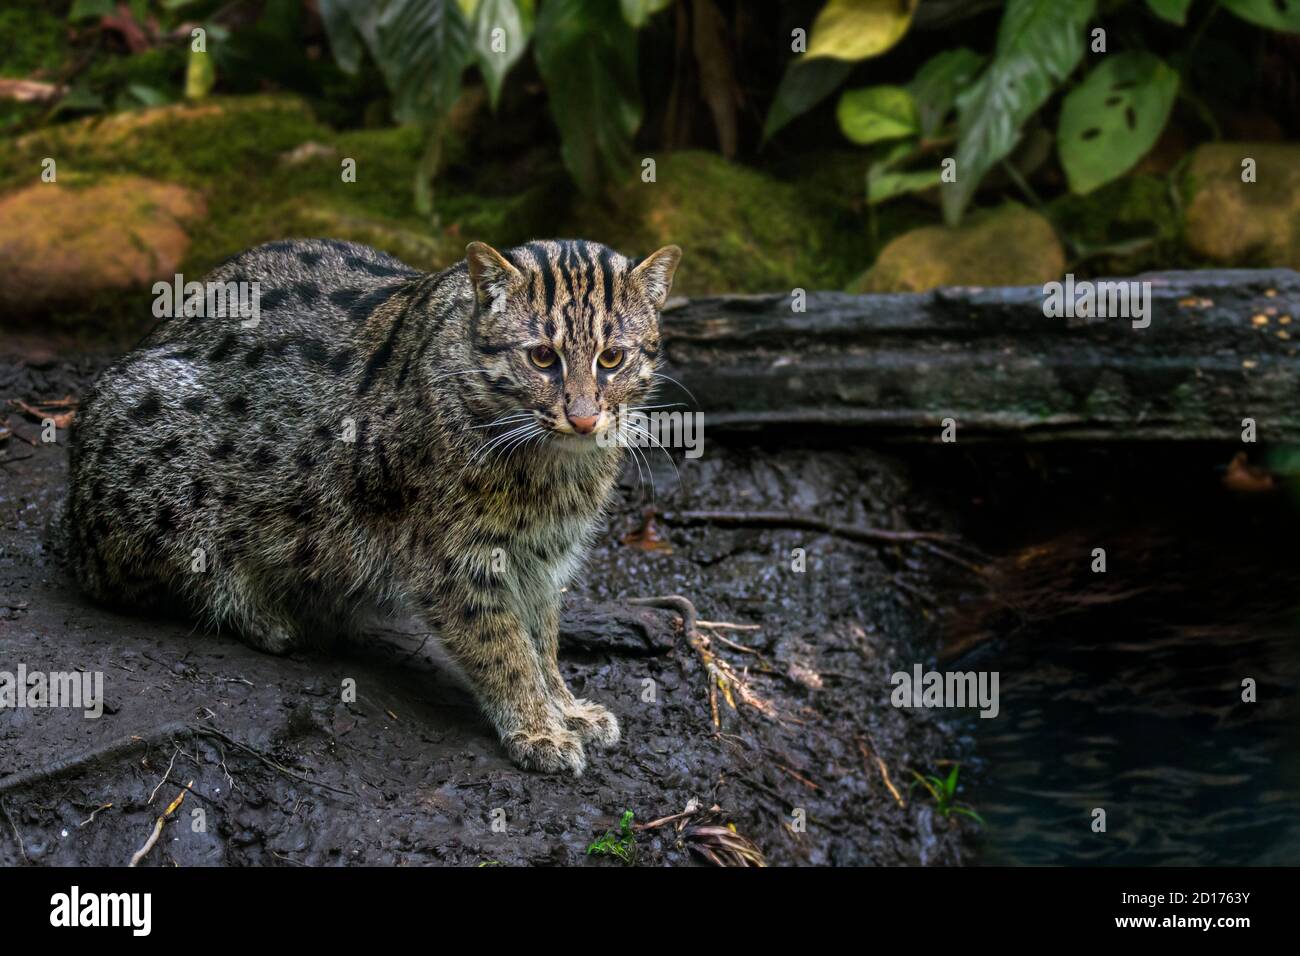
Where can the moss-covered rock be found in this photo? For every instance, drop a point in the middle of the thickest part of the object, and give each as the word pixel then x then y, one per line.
pixel 65 243
pixel 266 169
pixel 740 230
pixel 1231 222
pixel 1127 226
pixel 1010 245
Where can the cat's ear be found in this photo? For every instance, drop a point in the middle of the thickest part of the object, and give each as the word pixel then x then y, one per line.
pixel 654 274
pixel 491 273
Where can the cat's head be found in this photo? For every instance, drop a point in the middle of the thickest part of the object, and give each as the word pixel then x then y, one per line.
pixel 568 330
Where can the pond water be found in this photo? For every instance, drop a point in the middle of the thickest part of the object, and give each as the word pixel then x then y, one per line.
pixel 1124 691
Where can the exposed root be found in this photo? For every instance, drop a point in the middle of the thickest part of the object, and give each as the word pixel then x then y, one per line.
pixel 928 540
pixel 723 677
pixel 172 807
pixel 869 755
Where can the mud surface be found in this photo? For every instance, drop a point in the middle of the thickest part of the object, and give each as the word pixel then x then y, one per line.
pixel 410 774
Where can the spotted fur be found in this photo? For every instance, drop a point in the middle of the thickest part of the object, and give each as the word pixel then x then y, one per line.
pixel 211 469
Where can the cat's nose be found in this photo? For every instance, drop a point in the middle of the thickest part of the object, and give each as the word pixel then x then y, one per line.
pixel 583 424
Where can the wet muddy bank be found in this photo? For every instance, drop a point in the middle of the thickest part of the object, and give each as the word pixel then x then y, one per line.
pixel 812 768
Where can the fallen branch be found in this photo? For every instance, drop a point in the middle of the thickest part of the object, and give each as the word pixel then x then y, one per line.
pixel 805 522
pixel 141 853
pixel 42 410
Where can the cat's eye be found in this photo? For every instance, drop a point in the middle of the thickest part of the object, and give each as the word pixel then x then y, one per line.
pixel 543 356
pixel 610 358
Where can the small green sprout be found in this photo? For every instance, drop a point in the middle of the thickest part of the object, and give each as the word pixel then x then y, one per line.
pixel 944 791
pixel 620 845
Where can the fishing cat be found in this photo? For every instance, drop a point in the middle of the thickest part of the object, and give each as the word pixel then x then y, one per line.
pixel 379 437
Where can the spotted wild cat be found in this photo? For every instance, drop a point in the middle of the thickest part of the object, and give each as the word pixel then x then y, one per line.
pixel 379 438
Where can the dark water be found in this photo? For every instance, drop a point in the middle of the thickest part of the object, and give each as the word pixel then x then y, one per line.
pixel 1123 691
pixel 1147 724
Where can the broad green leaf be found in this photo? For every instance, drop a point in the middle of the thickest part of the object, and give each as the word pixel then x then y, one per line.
pixel 1175 11
pixel 1271 14
pixel 804 84
pixel 199 76
pixel 857 29
pixel 148 95
pixel 639 12
pixel 82 9
pixel 1114 117
pixel 885 184
pixel 350 26
pixel 1040 42
pixel 935 87
pixel 876 113
pixel 500 36
pixel 588 61
pixel 422 47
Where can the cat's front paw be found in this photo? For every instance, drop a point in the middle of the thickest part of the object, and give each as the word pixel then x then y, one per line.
pixel 592 722
pixel 553 750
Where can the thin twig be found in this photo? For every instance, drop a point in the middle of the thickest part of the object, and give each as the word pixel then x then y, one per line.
pixel 166 773
pixel 141 853
pixel 22 850
pixel 884 771
pixel 90 819
pixel 213 732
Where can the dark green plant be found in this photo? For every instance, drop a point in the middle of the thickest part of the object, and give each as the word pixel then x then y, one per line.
pixel 585 53
pixel 976 109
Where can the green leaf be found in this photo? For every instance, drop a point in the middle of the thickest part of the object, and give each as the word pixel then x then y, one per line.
pixel 422 48
pixel 1114 117
pixel 950 785
pixel 876 113
pixel 935 87
pixel 1175 11
pixel 884 184
pixel 638 12
pixel 1271 14
pixel 1040 42
pixel 588 61
pixel 350 26
pixel 83 9
pixel 147 95
pixel 804 84
pixel 857 29
pixel 500 36
pixel 199 75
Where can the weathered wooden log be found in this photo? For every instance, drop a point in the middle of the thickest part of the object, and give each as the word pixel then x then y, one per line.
pixel 1218 348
